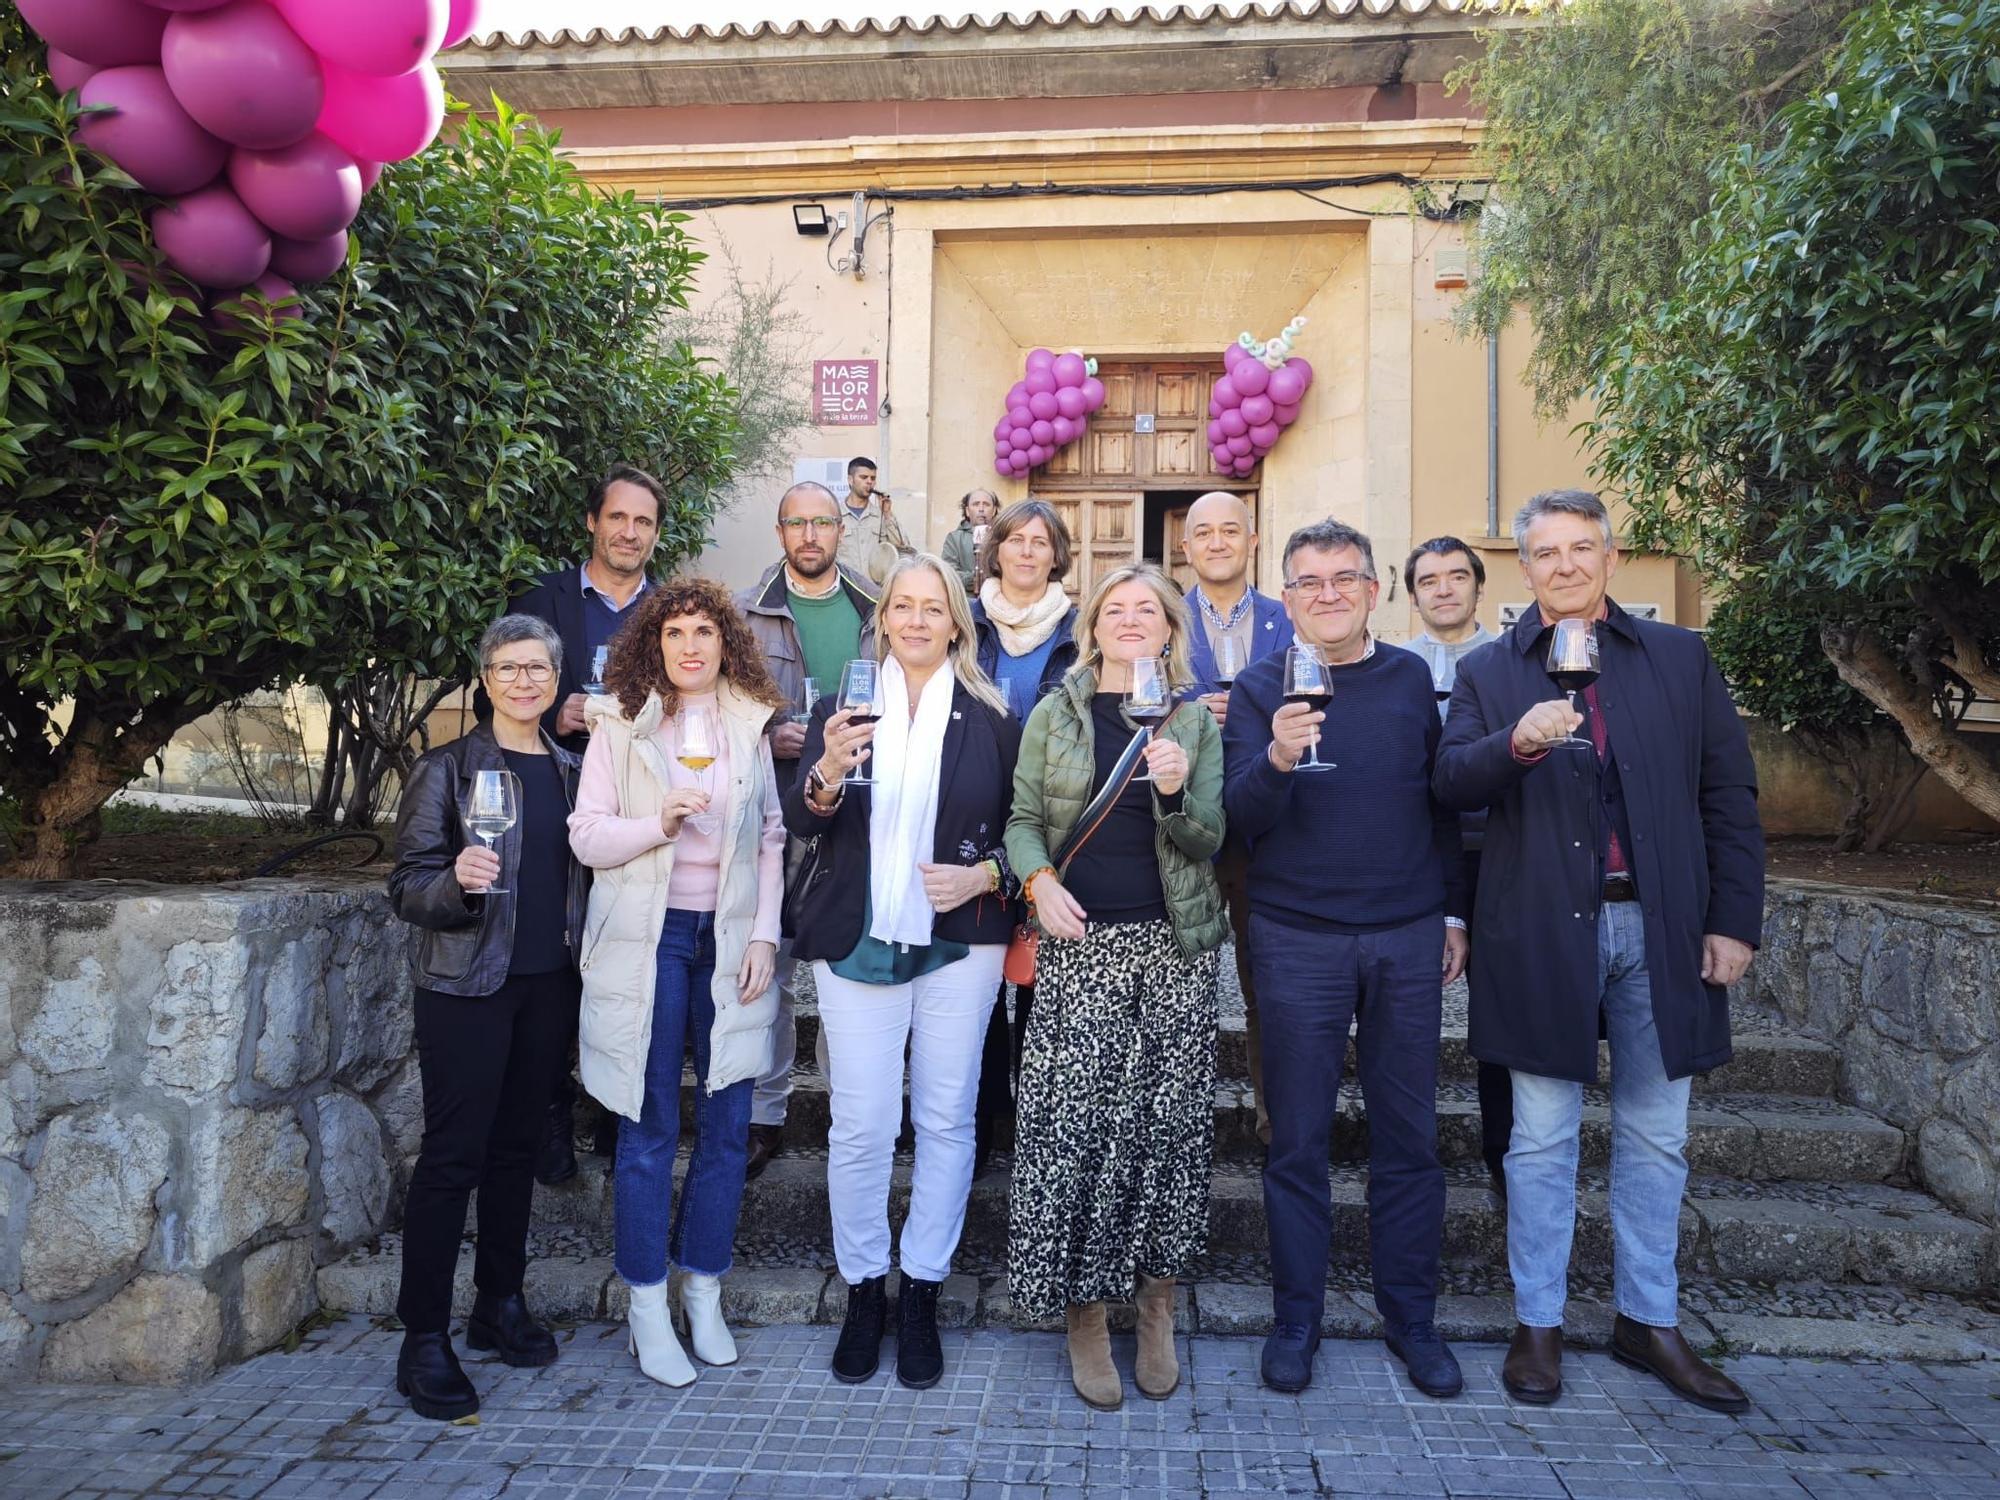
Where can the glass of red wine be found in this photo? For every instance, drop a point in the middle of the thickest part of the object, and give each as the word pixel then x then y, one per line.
pixel 1573 667
pixel 1147 699
pixel 1228 663
pixel 860 700
pixel 1308 681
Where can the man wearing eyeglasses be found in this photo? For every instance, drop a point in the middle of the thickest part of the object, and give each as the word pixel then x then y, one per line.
pixel 812 617
pixel 1356 914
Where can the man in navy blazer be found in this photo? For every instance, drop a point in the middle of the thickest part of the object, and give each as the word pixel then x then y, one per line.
pixel 1630 895
pixel 1218 542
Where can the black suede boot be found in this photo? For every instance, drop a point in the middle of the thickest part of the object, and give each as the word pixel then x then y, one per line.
pixel 504 1325
pixel 919 1356
pixel 859 1352
pixel 427 1371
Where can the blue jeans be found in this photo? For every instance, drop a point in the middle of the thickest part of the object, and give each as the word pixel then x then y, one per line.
pixel 649 1230
pixel 1310 986
pixel 1649 1127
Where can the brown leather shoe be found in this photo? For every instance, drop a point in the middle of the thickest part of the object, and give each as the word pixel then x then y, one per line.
pixel 766 1141
pixel 1665 1353
pixel 1532 1371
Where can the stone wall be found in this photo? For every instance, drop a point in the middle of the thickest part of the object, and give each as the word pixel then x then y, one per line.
pixel 1909 990
pixel 208 1092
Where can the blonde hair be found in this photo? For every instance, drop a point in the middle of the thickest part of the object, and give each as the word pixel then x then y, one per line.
pixel 1180 665
pixel 963 652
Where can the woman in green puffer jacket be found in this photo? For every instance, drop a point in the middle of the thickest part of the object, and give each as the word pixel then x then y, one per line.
pixel 1114 1136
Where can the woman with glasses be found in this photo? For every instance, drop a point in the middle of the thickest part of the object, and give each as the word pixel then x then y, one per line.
pixel 495 985
pixel 905 918
pixel 1114 1125
pixel 678 815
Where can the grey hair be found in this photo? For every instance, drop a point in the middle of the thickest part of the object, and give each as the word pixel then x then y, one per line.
pixel 1330 536
pixel 1559 503
pixel 509 630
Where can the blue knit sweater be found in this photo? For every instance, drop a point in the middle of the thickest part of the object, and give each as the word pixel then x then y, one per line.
pixel 1359 848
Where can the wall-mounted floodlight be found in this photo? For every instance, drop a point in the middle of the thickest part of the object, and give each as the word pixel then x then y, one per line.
pixel 810 218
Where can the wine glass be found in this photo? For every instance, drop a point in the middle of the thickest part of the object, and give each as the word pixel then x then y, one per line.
pixel 490 806
pixel 1308 681
pixel 979 535
pixel 598 662
pixel 809 696
pixel 697 733
pixel 860 700
pixel 1228 661
pixel 1147 699
pixel 1573 666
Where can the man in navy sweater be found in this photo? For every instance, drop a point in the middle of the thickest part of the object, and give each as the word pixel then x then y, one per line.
pixel 1356 912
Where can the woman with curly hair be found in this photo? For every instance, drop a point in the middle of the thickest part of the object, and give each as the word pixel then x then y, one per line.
pixel 678 814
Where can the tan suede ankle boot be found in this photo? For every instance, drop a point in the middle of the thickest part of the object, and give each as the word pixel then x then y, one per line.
pixel 1090 1367
pixel 1158 1371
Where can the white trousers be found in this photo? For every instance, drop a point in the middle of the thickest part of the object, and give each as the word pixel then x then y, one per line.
pixel 942 1016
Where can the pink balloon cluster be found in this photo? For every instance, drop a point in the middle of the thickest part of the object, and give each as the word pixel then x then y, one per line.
pixel 260 122
pixel 1255 401
pixel 1046 409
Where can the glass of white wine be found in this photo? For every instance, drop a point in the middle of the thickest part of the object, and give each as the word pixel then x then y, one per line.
pixel 698 737
pixel 490 806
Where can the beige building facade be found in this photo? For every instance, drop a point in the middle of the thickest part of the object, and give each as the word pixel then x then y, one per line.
pixel 1140 190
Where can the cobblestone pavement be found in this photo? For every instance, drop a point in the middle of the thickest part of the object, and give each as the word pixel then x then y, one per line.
pixel 324 1423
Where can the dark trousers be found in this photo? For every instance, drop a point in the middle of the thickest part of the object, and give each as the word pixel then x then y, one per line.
pixel 1313 985
pixel 1000 1063
pixel 485 1066
pixel 1496 1084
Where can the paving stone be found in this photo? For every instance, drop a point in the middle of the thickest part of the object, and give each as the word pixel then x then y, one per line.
pixel 1816 1338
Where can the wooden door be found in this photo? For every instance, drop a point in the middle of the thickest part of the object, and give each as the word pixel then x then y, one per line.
pixel 1104 532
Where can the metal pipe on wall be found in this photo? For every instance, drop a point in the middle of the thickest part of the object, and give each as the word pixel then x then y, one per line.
pixel 1492 434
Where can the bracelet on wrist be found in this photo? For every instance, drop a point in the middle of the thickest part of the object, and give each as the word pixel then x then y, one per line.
pixel 1028 885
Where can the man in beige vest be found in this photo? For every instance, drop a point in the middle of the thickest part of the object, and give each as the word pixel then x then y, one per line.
pixel 870 539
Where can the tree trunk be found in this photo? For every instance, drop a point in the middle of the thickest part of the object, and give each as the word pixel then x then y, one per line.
pixel 97 757
pixel 1866 665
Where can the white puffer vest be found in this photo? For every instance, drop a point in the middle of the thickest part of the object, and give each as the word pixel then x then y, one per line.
pixel 628 905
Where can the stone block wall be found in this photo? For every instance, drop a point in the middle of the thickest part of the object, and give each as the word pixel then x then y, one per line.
pixel 209 1091
pixel 1909 991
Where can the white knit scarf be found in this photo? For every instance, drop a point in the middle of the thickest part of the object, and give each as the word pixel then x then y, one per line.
pixel 1023 629
pixel 902 823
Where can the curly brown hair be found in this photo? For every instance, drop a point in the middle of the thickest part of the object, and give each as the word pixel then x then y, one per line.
pixel 637 665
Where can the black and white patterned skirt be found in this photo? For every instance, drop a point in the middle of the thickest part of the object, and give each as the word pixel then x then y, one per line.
pixel 1115 1120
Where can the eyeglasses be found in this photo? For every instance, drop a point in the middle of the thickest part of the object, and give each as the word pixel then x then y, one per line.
pixel 1340 583
pixel 798 525
pixel 509 672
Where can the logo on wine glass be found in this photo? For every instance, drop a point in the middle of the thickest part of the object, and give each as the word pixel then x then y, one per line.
pixel 861 701
pixel 1308 681
pixel 489 807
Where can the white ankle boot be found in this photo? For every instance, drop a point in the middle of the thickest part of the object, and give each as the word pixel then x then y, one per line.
pixel 652 1338
pixel 701 1300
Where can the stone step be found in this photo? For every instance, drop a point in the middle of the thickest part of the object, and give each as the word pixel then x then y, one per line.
pixel 584 1296
pixel 1729 1135
pixel 1766 1062
pixel 1730 1228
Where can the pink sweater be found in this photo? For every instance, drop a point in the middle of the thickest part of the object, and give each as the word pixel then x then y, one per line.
pixel 603 837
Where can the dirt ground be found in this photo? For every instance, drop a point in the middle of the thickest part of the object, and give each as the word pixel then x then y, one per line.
pixel 1963 872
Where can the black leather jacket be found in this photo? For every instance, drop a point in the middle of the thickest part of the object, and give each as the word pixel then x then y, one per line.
pixel 460 944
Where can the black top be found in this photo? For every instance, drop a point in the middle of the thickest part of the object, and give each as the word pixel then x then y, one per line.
pixel 539 885
pixel 1115 877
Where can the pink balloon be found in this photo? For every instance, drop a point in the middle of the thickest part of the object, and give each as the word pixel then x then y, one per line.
pixel 464 20
pixel 1001 429
pixel 1232 424
pixel 1041 382
pixel 371 173
pixel 1070 369
pixel 1093 393
pixel 1284 416
pixel 1039 359
pixel 1037 456
pixel 1231 355
pixel 1251 377
pixel 1287 385
pixel 379 38
pixel 1220 454
pixel 1070 402
pixel 1216 432
pixel 1002 448
pixel 1020 440
pixel 243 74
pixel 244 311
pixel 185 4
pixel 1239 445
pixel 147 133
pixel 1265 436
pixel 1017 394
pixel 1226 395
pixel 1065 431
pixel 109 33
pixel 1243 467
pixel 212 239
pixel 69 72
pixel 1019 415
pixel 1214 407
pixel 309 260
pixel 1044 406
pixel 1305 370
pixel 303 192
pixel 382 119
pixel 1044 433
pixel 1256 410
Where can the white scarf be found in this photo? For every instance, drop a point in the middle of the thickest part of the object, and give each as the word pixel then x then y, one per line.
pixel 902 823
pixel 1022 630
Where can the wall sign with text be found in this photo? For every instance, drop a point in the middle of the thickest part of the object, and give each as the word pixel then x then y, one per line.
pixel 845 392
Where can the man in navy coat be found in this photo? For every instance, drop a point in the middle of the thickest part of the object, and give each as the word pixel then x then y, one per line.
pixel 1624 888
pixel 1218 539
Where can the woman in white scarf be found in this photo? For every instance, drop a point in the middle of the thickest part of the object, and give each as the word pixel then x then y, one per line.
pixel 905 915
